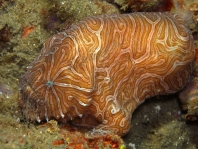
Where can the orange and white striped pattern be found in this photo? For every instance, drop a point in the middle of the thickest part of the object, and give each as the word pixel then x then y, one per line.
pixel 98 71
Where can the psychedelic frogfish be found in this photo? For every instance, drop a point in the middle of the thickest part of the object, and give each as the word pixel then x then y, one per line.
pixel 96 72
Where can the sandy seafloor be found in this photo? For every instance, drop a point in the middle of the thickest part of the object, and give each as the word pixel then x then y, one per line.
pixel 24 26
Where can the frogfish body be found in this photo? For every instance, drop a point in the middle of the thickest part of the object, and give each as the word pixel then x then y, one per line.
pixel 99 70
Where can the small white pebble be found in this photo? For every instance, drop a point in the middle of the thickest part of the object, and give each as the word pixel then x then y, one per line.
pixel 157 109
pixel 132 145
pixel 18 120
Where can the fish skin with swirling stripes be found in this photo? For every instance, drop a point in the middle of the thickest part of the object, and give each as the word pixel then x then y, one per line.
pixel 99 70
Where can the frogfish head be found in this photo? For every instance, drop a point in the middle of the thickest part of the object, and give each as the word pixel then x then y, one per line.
pixel 52 87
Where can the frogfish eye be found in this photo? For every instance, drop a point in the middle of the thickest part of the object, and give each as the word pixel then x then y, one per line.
pixel 49 83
